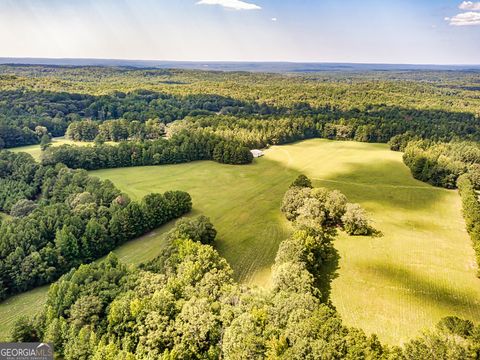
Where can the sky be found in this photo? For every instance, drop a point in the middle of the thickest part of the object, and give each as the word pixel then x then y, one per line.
pixel 360 31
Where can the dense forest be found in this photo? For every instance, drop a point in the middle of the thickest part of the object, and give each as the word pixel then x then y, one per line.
pixel 62 218
pixel 185 304
pixel 254 109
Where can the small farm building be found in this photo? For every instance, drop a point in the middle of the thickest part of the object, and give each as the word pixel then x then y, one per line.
pixel 257 153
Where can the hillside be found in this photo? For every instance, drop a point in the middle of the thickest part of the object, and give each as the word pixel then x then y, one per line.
pixel 422 268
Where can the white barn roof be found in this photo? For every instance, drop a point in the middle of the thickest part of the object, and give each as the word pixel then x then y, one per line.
pixel 257 153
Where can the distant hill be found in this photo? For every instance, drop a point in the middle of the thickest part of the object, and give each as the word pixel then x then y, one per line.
pixel 277 67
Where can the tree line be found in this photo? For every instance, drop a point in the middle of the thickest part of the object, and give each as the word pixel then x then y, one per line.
pixel 21 112
pixel 440 163
pixel 375 124
pixel 181 147
pixel 471 211
pixel 115 130
pixel 67 218
pixel 184 304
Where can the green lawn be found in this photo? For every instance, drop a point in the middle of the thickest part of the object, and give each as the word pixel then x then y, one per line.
pixel 422 268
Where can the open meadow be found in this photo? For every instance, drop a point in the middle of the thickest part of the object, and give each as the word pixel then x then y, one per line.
pixel 36 151
pixel 396 285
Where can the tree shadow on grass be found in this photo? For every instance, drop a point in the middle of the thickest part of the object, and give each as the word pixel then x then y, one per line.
pixel 383 183
pixel 386 182
pixel 424 288
pixel 326 276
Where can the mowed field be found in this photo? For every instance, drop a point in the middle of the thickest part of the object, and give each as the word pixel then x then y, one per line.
pixel 420 270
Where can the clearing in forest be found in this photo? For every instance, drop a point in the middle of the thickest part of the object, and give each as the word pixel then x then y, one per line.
pixel 422 269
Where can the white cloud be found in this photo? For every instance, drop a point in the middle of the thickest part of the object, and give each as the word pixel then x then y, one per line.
pixel 465 19
pixel 274 19
pixel 231 4
pixel 470 5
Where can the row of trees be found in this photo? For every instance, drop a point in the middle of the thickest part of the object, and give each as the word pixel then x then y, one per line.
pixel 180 148
pixel 374 125
pixel 68 218
pixel 184 304
pixel 471 211
pixel 441 164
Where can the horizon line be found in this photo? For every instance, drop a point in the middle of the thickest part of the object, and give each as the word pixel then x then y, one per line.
pixel 313 62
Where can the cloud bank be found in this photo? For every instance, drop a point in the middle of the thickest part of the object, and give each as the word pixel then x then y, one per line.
pixel 231 4
pixel 465 19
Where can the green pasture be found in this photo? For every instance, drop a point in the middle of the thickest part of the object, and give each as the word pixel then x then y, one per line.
pixel 396 285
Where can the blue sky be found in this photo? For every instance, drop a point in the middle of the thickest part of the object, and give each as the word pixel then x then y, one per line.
pixel 372 31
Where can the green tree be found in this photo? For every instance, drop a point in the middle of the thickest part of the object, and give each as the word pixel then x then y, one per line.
pixel 302 181
pixel 45 142
pixel 355 220
pixel 23 208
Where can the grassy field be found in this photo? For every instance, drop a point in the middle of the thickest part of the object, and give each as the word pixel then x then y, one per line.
pixel 397 285
pixel 422 269
pixel 36 152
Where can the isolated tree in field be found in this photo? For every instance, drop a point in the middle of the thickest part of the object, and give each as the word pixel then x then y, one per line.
pixel 45 142
pixel 355 220
pixel 302 181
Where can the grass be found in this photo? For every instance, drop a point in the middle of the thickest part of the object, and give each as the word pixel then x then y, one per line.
pixel 397 285
pixel 36 152
pixel 242 201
